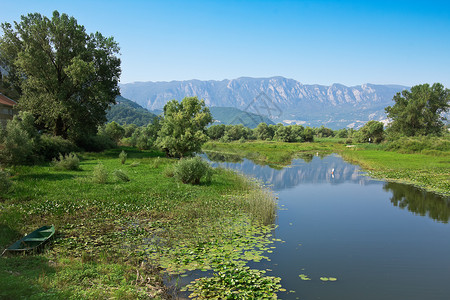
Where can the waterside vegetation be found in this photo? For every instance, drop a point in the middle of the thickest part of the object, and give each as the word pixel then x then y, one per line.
pixel 116 238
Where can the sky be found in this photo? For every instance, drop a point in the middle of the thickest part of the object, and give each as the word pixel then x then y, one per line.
pixel 314 42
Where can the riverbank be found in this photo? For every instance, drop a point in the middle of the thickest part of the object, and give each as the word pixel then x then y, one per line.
pixel 276 154
pixel 107 234
pixel 428 171
pixel 411 162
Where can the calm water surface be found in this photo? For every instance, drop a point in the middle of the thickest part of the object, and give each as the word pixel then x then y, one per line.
pixel 380 240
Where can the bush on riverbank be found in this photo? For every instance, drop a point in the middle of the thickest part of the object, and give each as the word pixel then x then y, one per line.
pixel 192 170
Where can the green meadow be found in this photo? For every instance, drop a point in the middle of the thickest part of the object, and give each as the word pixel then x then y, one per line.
pixel 119 239
pixel 128 239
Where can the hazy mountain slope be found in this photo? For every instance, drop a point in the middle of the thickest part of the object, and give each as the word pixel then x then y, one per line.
pixel 279 98
pixel 234 116
pixel 129 112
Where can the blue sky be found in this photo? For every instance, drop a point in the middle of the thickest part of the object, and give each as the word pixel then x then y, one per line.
pixel 314 42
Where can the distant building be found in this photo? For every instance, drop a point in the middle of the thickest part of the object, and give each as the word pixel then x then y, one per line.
pixel 6 109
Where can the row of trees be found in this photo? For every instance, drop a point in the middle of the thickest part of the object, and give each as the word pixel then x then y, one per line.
pixel 171 132
pixel 371 132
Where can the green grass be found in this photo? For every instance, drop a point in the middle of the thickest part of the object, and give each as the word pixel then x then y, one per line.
pixel 102 229
pixel 431 172
pixel 276 154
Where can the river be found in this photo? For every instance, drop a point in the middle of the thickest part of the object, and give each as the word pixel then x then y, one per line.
pixel 379 240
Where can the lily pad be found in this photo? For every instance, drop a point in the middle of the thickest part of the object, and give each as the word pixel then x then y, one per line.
pixel 328 278
pixel 304 277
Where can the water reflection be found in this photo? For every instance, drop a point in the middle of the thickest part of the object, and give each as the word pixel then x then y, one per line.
pixel 309 169
pixel 331 169
pixel 419 201
pixel 337 222
pixel 223 157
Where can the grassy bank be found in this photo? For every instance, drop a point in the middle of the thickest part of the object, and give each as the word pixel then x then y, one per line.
pixel 276 154
pixel 117 240
pixel 429 169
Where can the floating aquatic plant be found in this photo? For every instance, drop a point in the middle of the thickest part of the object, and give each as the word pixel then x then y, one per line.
pixel 235 282
pixel 328 278
pixel 304 277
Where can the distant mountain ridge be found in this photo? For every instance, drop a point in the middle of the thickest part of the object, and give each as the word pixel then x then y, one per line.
pixel 283 100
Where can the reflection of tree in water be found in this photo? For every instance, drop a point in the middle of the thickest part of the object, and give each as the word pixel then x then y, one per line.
pixel 223 157
pixel 312 168
pixel 419 202
pixel 307 157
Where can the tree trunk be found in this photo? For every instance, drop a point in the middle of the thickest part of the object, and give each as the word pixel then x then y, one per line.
pixel 60 129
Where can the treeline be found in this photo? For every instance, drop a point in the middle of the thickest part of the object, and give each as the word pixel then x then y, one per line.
pixel 371 132
pixel 144 137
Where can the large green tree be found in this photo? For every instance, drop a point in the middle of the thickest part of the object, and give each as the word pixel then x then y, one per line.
pixel 264 132
pixel 372 131
pixel 419 111
pixel 183 129
pixel 66 77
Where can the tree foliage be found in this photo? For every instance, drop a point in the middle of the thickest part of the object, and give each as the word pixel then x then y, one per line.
pixel 114 131
pixel 285 134
pixel 19 140
pixel 372 131
pixel 264 132
pixel 419 111
pixel 215 132
pixel 64 76
pixel 183 129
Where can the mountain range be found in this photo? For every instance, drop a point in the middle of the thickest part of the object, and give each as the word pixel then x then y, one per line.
pixel 277 98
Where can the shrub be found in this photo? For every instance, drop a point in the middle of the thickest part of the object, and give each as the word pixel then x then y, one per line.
pixel 191 170
pixel 123 157
pixel 208 175
pixel 156 162
pixel 419 144
pixel 119 174
pixel 96 143
pixel 5 183
pixel 19 140
pixel 67 162
pixel 52 146
pixel 169 171
pixel 225 139
pixel 135 164
pixel 100 174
